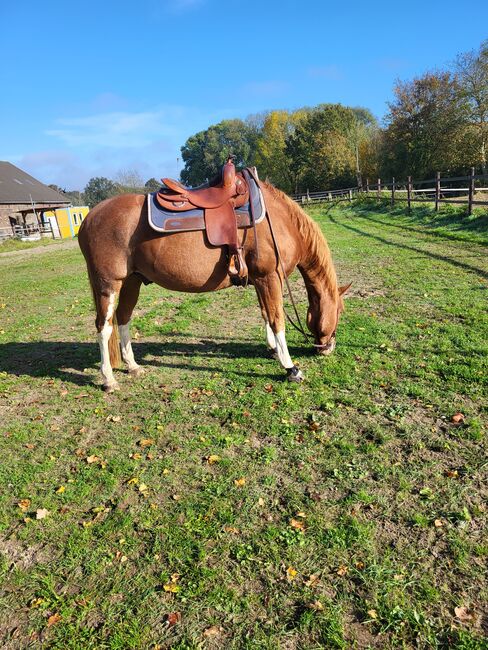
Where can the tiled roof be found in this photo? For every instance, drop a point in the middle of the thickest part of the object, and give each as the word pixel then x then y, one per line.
pixel 18 187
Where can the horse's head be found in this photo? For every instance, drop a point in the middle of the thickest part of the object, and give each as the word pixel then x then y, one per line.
pixel 322 319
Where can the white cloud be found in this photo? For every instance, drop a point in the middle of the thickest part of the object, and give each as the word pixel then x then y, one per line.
pixel 117 129
pixel 331 72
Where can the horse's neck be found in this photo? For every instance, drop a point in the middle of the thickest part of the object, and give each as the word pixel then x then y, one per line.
pixel 318 289
pixel 316 266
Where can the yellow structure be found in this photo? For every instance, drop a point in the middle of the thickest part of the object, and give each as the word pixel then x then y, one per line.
pixel 66 222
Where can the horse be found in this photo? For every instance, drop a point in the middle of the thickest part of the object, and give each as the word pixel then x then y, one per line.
pixel 122 251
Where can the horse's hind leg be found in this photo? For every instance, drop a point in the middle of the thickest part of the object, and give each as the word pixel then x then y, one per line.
pixel 105 304
pixel 129 295
pixel 271 299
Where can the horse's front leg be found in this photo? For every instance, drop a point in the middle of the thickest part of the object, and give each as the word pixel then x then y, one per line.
pixel 271 301
pixel 129 295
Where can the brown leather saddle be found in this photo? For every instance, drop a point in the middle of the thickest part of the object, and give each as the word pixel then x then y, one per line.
pixel 232 201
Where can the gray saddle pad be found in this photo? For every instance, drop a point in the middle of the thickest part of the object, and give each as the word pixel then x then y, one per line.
pixel 163 220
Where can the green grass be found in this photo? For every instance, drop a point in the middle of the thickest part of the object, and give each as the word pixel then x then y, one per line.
pixel 9 245
pixel 361 520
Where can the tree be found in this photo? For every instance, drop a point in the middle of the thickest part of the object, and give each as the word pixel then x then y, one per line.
pixel 152 185
pixel 98 189
pixel 272 157
pixel 129 181
pixel 471 70
pixel 322 149
pixel 426 127
pixel 205 152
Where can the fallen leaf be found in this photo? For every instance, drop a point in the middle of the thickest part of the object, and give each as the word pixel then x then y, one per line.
pixel 213 458
pixel 133 481
pixel 268 388
pixel 41 513
pixel 297 525
pixel 342 570
pixel 260 501
pixel 464 614
pixel 316 606
pixel 173 618
pixel 359 565
pixel 214 630
pixel 438 523
pixel 452 473
pixel 92 459
pixel 312 581
pixel 30 446
pixel 372 613
pixel 146 442
pixel 291 573
pixel 52 620
pixel 457 418
pixel 231 529
pixel 240 482
pixel 301 514
pixel 135 456
pixel 61 489
pixel 113 418
pixel 24 504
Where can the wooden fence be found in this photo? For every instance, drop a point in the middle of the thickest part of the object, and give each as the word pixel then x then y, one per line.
pixel 435 190
pixel 29 232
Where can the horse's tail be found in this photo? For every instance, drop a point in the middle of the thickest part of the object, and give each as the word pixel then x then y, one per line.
pixel 114 344
pixel 114 340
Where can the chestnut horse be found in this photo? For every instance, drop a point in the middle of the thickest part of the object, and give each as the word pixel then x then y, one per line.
pixel 122 250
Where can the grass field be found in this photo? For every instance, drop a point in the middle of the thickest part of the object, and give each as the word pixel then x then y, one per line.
pixel 210 504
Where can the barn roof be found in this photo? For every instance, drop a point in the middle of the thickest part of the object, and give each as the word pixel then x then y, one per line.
pixel 18 187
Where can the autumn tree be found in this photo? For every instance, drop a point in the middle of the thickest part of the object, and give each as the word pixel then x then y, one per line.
pixel 273 159
pixel 471 71
pixel 425 127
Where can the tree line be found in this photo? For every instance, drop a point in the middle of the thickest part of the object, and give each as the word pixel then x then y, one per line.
pixel 438 121
pixel 435 122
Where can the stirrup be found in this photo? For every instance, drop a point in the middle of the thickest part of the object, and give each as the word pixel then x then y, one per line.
pixel 237 268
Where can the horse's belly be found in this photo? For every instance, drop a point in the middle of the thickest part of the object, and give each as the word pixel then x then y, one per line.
pixel 183 262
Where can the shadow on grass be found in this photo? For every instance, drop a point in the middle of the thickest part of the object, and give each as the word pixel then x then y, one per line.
pixel 68 360
pixel 445 225
pixel 424 253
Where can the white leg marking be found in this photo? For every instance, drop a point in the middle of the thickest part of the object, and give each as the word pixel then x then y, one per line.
pixel 270 337
pixel 282 350
pixel 126 348
pixel 103 339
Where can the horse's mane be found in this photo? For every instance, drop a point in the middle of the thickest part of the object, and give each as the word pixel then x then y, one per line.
pixel 319 260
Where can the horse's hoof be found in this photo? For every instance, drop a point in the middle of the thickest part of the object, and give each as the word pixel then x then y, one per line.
pixel 294 375
pixel 136 372
pixel 111 388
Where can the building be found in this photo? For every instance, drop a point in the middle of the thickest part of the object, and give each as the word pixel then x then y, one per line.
pixel 24 201
pixel 65 222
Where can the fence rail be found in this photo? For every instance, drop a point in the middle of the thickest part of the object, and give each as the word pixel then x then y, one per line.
pixel 440 192
pixel 28 232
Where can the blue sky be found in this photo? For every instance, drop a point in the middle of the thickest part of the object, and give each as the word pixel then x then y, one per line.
pixel 96 88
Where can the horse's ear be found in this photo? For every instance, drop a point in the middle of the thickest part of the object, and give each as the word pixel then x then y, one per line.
pixel 344 289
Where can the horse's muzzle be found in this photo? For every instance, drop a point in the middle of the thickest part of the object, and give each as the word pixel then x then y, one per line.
pixel 328 348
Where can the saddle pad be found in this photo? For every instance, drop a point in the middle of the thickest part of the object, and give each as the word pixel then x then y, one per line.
pixel 163 220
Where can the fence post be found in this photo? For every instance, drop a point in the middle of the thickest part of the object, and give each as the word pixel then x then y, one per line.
pixel 409 193
pixel 471 192
pixel 379 188
pixel 350 195
pixel 437 190
pixel 308 196
pixel 393 191
pixel 367 186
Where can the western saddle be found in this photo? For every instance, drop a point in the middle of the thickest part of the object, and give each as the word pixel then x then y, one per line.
pixel 218 201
